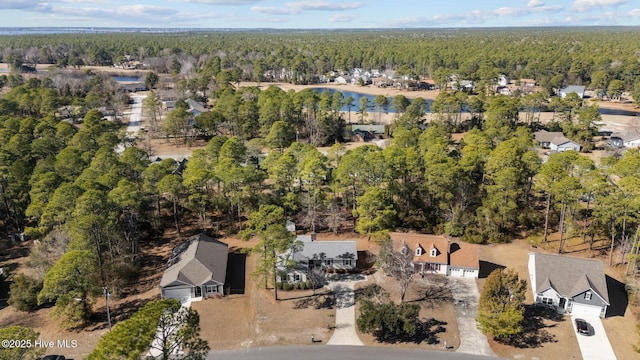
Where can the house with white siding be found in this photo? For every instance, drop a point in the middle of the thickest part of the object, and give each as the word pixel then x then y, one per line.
pixel 439 254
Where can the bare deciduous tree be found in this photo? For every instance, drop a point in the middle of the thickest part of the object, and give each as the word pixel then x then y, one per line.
pixel 399 265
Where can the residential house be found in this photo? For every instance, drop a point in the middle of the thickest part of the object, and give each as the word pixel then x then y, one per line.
pixel 555 141
pixel 343 79
pixel 503 90
pixel 197 269
pixel 625 139
pixel 168 105
pixel 527 83
pixel 579 90
pixel 309 254
pixel 439 254
pixel 503 80
pixel 369 132
pixel 195 108
pixel 569 285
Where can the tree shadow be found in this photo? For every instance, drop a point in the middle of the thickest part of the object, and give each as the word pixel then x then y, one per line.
pixel 534 333
pixel 426 332
pixel 366 261
pixel 487 268
pixel 319 301
pixel 436 291
pixel 121 312
pixel 617 297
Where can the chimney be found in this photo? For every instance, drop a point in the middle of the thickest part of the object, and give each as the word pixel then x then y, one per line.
pixel 313 236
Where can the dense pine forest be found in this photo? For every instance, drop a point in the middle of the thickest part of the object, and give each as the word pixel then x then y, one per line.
pixel 64 182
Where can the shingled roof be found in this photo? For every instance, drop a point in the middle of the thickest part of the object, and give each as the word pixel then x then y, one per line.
pixel 196 261
pixel 569 276
pixel 449 252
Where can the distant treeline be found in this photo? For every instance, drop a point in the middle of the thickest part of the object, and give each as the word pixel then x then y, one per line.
pixel 552 56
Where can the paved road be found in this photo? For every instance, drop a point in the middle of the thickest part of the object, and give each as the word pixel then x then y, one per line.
pixel 345 330
pixel 320 352
pixel 596 346
pixel 466 297
pixel 133 126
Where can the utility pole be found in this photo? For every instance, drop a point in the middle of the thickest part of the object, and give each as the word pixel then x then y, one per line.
pixel 105 290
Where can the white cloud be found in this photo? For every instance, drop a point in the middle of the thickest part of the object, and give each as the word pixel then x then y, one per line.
pixel 292 8
pixel 342 18
pixel 535 3
pixel 271 10
pixel 21 4
pixel 221 2
pixel 634 13
pixel 586 5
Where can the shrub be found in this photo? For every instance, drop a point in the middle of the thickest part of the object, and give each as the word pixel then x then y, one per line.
pixel 24 293
pixel 288 286
pixel 279 285
pixel 308 284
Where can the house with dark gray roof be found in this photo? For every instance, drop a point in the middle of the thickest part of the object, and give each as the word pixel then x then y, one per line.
pixel 197 268
pixel 570 285
pixel 308 254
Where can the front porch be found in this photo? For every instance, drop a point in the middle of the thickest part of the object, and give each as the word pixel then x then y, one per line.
pixel 430 268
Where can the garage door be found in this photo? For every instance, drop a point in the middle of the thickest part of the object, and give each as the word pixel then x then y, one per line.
pixel 179 294
pixel 582 309
pixel 456 272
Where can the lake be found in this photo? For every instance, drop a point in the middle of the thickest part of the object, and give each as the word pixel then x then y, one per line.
pixel 123 79
pixel 357 96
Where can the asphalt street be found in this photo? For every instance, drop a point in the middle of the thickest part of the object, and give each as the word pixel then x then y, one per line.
pixel 321 352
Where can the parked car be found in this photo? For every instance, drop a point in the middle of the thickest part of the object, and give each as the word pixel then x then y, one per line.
pixel 582 326
pixel 53 357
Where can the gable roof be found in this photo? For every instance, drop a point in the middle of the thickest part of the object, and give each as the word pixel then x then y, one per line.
pixel 325 249
pixel 546 136
pixel 578 89
pixel 561 140
pixel 569 276
pixel 449 252
pixel 196 261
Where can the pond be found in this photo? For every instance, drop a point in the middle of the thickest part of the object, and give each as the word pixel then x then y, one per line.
pixel 356 100
pixel 356 96
pixel 124 79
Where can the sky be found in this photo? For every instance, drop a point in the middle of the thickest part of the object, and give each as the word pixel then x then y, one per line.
pixel 317 14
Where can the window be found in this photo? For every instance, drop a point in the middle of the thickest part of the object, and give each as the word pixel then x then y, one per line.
pixel 348 262
pixel 434 252
pixel 587 295
pixel 328 262
pixel 418 251
pixel 297 277
pixel 547 301
pixel 212 289
pixel 433 267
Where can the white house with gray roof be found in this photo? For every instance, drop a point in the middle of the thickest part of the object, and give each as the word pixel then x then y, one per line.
pixel 579 90
pixel 570 285
pixel 197 269
pixel 309 254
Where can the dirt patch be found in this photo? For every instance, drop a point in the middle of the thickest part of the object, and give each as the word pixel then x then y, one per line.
pixel 437 313
pixel 256 319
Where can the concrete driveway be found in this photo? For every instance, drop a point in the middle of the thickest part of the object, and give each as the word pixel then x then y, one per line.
pixel 596 345
pixel 345 330
pixel 466 298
